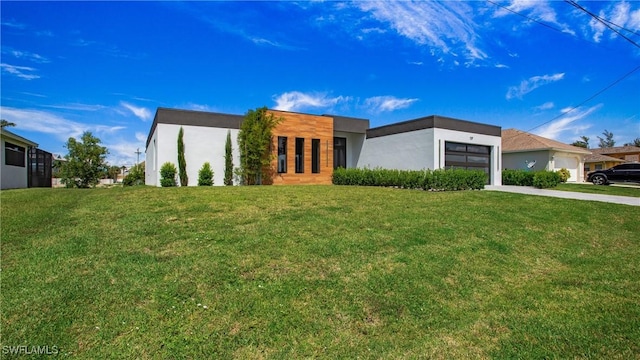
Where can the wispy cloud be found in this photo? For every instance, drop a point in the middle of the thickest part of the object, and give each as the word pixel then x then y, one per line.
pixel 33 57
pixel 13 24
pixel 77 106
pixel 567 123
pixel 447 27
pixel 546 106
pixel 534 82
pixel 535 9
pixel 296 101
pixel 619 13
pixel 141 112
pixel 378 104
pixel 52 124
pixel 23 72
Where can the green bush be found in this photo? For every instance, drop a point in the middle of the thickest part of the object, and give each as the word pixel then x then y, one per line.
pixel 546 179
pixel 440 180
pixel 564 175
pixel 205 175
pixel 135 176
pixel 517 177
pixel 168 174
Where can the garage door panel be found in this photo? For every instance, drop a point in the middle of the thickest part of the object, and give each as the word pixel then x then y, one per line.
pixel 568 163
pixel 467 156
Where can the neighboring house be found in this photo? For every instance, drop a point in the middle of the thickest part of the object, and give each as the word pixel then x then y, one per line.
pixel 626 153
pixel 23 164
pixel 308 147
pixel 594 162
pixel 522 150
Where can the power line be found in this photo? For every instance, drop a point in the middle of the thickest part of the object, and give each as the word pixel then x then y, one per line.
pixel 590 98
pixel 527 17
pixel 604 22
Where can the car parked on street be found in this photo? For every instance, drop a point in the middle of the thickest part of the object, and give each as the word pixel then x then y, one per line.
pixel 629 172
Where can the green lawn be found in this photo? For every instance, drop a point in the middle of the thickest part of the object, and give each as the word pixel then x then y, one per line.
pixel 318 272
pixel 627 190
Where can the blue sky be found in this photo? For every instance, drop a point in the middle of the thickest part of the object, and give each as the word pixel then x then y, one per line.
pixel 105 67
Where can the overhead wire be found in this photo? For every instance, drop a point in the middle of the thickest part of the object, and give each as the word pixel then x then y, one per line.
pixel 608 24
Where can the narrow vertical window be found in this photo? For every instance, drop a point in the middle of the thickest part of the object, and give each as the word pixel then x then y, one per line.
pixel 339 152
pixel 282 154
pixel 299 155
pixel 315 156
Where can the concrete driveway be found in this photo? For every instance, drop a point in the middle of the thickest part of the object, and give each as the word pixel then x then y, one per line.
pixel 625 200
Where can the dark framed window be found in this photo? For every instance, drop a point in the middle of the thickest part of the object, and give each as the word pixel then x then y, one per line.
pixel 282 154
pixel 468 156
pixel 339 152
pixel 315 156
pixel 14 155
pixel 299 155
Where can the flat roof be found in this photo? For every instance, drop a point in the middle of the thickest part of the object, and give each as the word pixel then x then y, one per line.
pixel 434 121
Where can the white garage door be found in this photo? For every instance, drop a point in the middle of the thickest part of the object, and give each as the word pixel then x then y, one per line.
pixel 568 163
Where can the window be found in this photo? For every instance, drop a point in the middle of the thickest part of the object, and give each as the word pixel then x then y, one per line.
pixel 315 156
pixel 339 152
pixel 299 155
pixel 14 155
pixel 598 166
pixel 282 154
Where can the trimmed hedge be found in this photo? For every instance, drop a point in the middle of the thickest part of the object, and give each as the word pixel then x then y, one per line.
pixel 540 179
pixel 437 180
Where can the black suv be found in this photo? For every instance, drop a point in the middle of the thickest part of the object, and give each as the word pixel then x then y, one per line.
pixel 619 173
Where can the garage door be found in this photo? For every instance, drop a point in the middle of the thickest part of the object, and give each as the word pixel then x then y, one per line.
pixel 568 163
pixel 468 156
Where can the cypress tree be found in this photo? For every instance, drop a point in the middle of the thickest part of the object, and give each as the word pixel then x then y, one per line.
pixel 228 161
pixel 182 163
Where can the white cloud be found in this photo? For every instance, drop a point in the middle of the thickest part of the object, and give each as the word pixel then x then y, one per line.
pixel 502 66
pixel 142 137
pixel 546 106
pixel 535 9
pixel 619 13
pixel 23 72
pixel 77 106
pixel 447 27
pixel 296 101
pixel 556 129
pixel 141 112
pixel 534 82
pixel 52 124
pixel 387 103
pixel 19 54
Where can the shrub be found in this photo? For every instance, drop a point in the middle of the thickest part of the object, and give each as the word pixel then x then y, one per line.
pixel 205 175
pixel 546 179
pixel 168 174
pixel 564 175
pixel 135 176
pixel 517 177
pixel 442 180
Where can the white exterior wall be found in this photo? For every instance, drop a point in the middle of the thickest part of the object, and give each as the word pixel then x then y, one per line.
pixel 151 166
pixel 405 151
pixel 519 160
pixel 13 177
pixel 201 144
pixel 443 135
pixel 355 143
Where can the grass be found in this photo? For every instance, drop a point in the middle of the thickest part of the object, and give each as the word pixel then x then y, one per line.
pixel 318 271
pixel 628 190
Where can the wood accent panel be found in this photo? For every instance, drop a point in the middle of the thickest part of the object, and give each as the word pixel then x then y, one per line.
pixel 308 127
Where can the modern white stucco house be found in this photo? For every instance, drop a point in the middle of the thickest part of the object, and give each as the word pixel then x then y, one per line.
pixel 522 150
pixel 309 147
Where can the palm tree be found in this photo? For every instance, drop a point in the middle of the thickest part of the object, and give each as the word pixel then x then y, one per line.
pixel 4 123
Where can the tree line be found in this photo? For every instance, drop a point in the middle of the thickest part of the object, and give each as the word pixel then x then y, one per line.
pixel 606 141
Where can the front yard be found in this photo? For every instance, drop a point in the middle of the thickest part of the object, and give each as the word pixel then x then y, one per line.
pixel 318 271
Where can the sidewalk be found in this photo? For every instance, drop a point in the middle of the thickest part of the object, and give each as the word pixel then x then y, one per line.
pixel 625 200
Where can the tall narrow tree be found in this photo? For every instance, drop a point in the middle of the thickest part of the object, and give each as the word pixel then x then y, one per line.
pixel 254 142
pixel 182 163
pixel 228 161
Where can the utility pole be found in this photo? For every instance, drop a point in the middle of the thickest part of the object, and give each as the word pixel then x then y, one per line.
pixel 138 152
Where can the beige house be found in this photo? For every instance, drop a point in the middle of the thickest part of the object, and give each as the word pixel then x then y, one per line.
pixel 625 153
pixel 522 150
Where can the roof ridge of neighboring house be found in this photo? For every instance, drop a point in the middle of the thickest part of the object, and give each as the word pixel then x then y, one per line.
pixel 534 142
